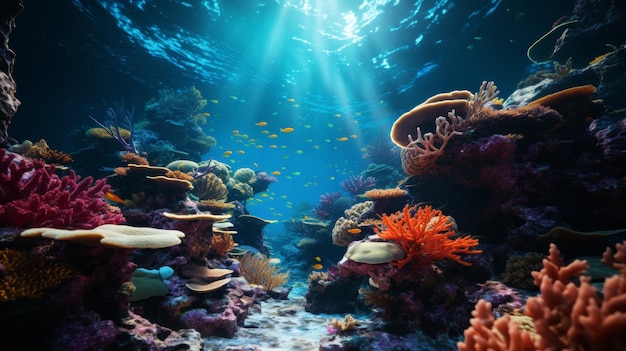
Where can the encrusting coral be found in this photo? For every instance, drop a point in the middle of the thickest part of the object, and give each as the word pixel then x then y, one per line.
pixel 425 234
pixel 565 315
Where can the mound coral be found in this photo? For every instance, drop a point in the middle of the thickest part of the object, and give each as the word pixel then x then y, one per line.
pixel 425 236
pixel 32 195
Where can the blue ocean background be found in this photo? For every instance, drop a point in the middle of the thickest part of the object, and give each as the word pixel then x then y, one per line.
pixel 338 72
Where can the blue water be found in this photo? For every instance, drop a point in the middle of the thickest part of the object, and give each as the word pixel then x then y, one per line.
pixel 328 69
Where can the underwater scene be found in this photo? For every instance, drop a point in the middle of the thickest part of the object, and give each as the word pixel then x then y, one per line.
pixel 328 175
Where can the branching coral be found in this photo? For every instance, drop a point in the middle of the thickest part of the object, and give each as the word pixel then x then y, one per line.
pixel 33 195
pixel 258 270
pixel 425 236
pixel 325 207
pixel 419 155
pixel 566 316
pixel 358 184
pixel 26 276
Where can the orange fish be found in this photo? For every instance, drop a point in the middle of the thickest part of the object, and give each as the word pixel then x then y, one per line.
pixel 112 197
pixel 354 231
pixel 276 173
pixel 272 136
pixel 261 124
pixel 286 130
pixel 317 266
pixel 342 139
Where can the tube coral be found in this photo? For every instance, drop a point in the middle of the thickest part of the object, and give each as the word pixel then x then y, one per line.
pixel 425 236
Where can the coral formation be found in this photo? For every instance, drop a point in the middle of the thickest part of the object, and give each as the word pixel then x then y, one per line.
pixel 426 235
pixel 29 276
pixel 33 195
pixel 358 184
pixel 257 269
pixel 565 315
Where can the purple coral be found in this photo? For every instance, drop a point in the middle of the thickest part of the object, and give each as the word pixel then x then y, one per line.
pixel 32 195
pixel 358 184
pixel 325 207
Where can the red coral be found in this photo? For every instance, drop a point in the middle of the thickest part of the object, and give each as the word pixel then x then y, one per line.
pixel 33 196
pixel 425 236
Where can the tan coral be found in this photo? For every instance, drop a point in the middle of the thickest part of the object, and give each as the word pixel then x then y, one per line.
pixel 424 114
pixel 112 235
pixel 210 187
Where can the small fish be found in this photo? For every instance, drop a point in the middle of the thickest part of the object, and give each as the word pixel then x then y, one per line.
pixel 337 115
pixel 256 165
pixel 276 173
pixel 342 139
pixel 241 152
pixel 286 130
pixel 296 173
pixel 354 231
pixel 291 100
pixel 353 136
pixel 273 136
pixel 215 101
pixel 273 260
pixel 233 97
pixel 273 146
pixel 261 124
pixel 235 131
pixel 318 259
pixel 112 197
pixel 299 152
pixel 317 266
pixel 205 114
pixel 265 132
pixel 227 153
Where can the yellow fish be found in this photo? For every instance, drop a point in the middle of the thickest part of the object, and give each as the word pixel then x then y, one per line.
pixel 299 152
pixel 233 97
pixel 291 100
pixel 241 152
pixel 109 195
pixel 286 130
pixel 337 115
pixel 317 266
pixel 354 231
pixel 273 136
pixel 276 173
pixel 205 114
pixel 256 165
pixel 318 259
pixel 273 146
pixel 227 153
pixel 261 124
pixel 265 132
pixel 342 139
pixel 215 101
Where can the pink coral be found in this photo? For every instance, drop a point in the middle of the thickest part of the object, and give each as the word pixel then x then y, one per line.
pixel 32 195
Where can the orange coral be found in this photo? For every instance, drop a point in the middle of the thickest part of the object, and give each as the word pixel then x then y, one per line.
pixel 221 243
pixel 425 236
pixel 376 194
pixel 30 277
pixel 565 315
